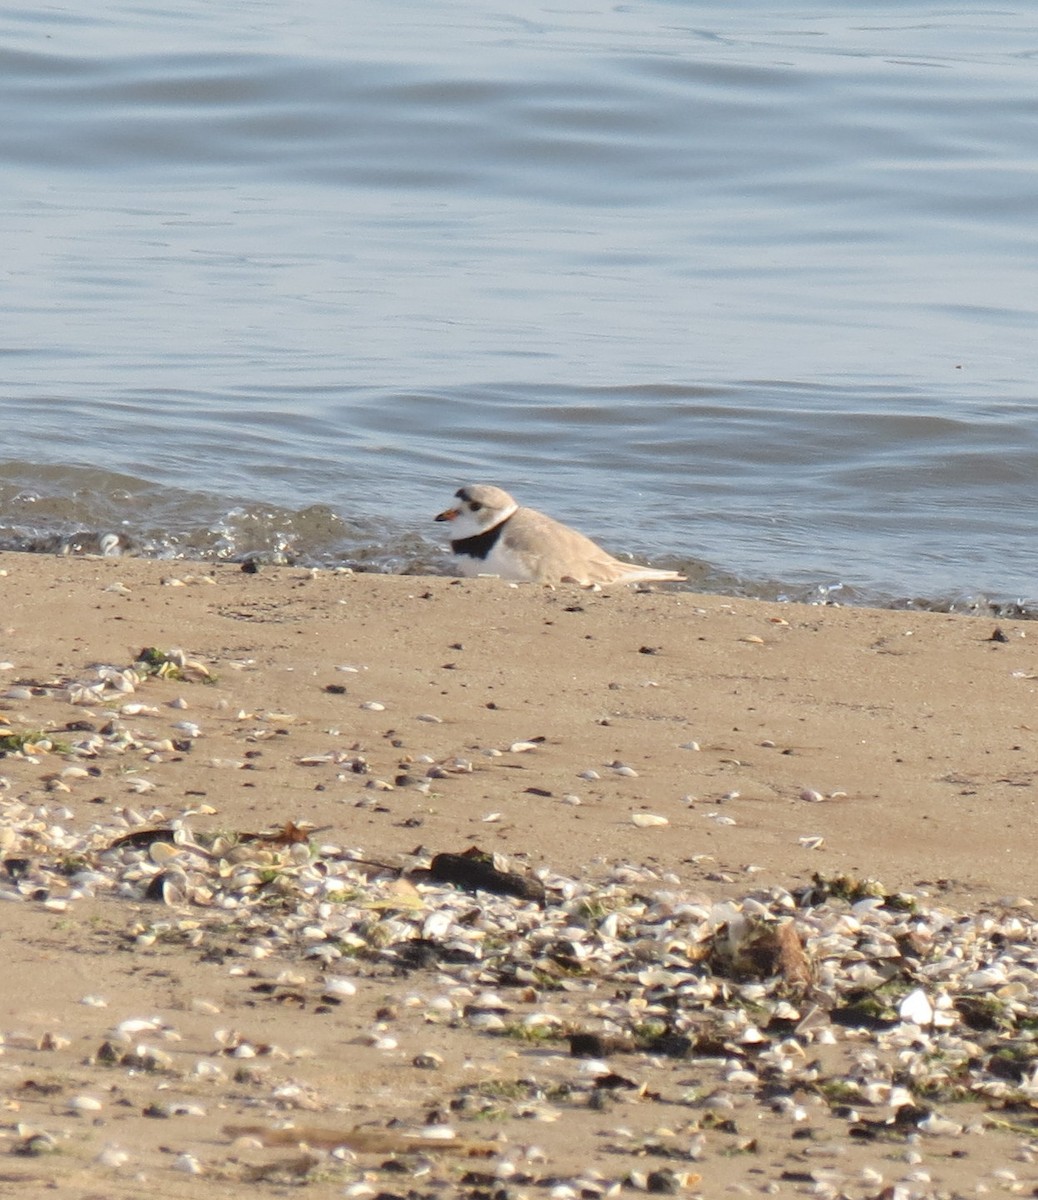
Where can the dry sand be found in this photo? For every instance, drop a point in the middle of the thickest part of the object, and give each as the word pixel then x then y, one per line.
pixel 843 742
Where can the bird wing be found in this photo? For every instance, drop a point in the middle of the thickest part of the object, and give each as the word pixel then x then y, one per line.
pixel 552 553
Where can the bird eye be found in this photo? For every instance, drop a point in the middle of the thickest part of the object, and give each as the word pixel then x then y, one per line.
pixel 474 506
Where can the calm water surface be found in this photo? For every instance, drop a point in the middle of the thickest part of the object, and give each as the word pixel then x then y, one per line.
pixel 749 289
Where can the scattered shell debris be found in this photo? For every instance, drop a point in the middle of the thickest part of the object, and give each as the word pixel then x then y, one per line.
pixel 863 1016
pixel 834 1015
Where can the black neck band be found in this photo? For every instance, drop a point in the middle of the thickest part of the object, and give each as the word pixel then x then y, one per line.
pixel 480 544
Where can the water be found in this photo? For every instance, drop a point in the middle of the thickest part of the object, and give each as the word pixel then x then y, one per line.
pixel 745 289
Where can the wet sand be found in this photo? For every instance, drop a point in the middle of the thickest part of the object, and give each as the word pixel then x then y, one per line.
pixel 777 741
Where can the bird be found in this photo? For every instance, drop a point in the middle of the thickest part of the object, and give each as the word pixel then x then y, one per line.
pixel 492 534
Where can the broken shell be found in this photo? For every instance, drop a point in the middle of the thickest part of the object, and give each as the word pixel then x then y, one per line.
pixel 188 1164
pixel 112 1157
pixel 646 820
pixel 428 1060
pixel 916 1008
pixel 337 986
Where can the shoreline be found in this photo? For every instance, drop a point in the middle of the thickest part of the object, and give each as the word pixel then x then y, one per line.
pixel 433 562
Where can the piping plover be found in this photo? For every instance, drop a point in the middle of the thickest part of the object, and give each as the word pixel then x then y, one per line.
pixel 493 535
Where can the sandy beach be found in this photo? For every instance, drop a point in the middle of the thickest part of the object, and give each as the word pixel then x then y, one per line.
pixel 675 770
